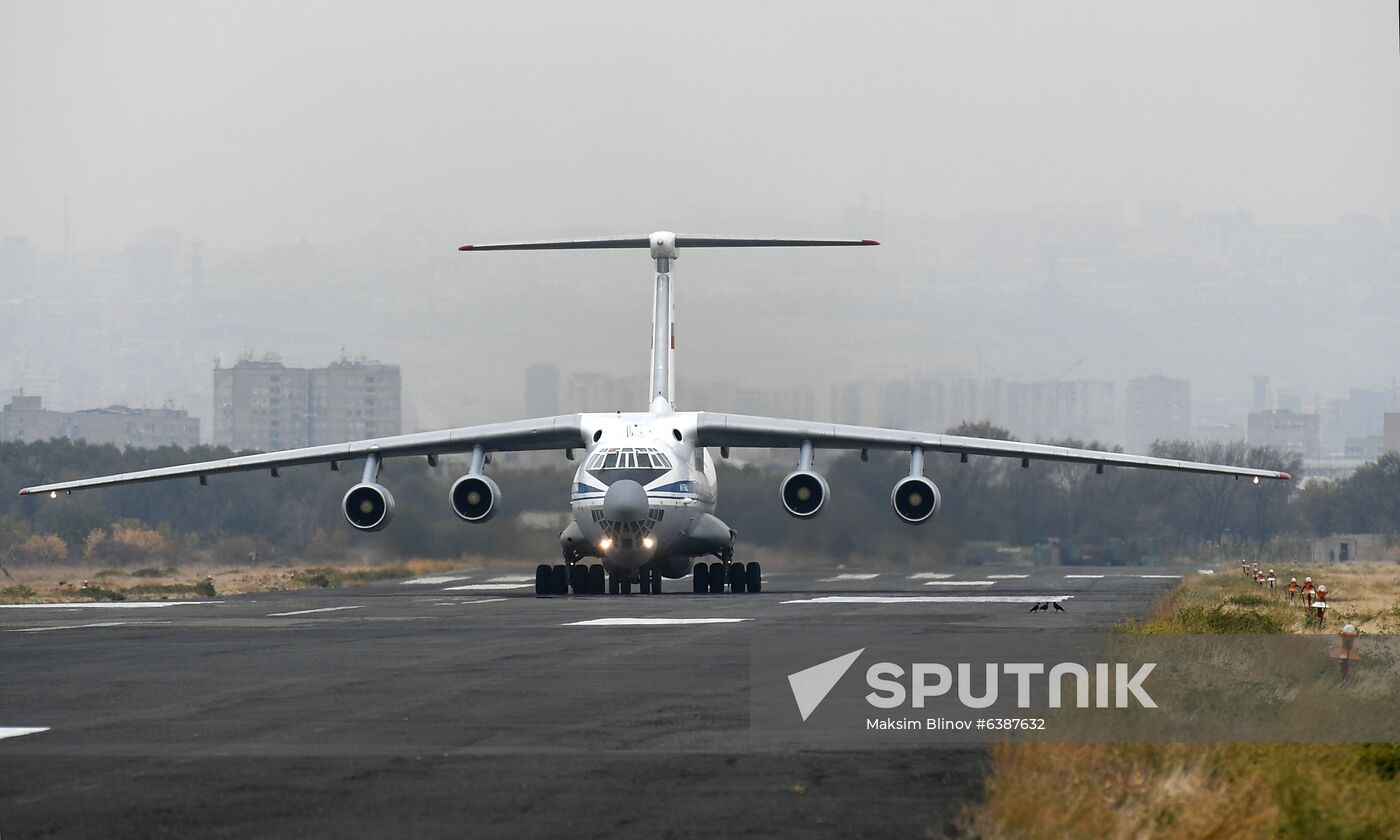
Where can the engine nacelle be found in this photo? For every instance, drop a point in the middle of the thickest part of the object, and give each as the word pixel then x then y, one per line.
pixel 803 493
pixel 475 498
pixel 368 507
pixel 915 499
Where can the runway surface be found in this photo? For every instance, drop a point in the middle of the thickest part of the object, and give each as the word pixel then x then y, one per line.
pixel 462 705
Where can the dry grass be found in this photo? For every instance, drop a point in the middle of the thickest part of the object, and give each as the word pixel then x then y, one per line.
pixel 1211 790
pixel 55 584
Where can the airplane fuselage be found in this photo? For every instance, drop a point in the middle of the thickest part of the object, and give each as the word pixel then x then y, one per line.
pixel 644 494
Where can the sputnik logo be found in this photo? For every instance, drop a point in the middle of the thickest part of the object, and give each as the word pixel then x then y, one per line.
pixel 811 685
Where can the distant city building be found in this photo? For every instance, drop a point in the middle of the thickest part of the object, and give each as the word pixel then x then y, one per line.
pixel 262 404
pixel 16 266
pixel 1392 433
pixel 541 390
pixel 1156 408
pixel 1287 431
pixel 602 392
pixel 26 420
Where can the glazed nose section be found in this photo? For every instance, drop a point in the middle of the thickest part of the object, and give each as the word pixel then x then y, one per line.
pixel 625 501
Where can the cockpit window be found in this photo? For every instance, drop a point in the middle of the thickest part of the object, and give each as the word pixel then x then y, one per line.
pixel 628 459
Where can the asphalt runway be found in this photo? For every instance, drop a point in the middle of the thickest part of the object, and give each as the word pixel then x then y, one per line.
pixel 463 705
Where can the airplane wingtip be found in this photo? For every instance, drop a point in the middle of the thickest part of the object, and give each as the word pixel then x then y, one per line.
pixel 869 242
pixel 464 247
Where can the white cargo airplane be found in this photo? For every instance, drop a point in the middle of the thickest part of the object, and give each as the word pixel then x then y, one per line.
pixel 644 494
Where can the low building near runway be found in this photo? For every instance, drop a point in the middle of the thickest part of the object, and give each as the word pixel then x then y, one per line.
pixel 26 420
pixel 1350 548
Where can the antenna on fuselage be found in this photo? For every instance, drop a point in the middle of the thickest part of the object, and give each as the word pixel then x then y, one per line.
pixel 664 246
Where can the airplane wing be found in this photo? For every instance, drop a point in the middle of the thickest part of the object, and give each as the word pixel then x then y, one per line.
pixel 562 432
pixel 741 430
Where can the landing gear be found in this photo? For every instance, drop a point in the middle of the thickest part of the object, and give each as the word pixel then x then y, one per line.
pixel 651 581
pixel 559 580
pixel 596 579
pixel 614 583
pixel 544 580
pixel 700 578
pixel 739 577
pixel 578 579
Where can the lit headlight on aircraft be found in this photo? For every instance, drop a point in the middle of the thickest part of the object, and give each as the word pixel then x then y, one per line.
pixel 53 494
pixel 648 541
pixel 605 543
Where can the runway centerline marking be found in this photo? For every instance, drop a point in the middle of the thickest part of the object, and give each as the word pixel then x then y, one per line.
pixel 931 599
pixel 512 579
pixel 959 583
pixel 17 731
pixel 473 601
pixel 85 626
pixel 1083 576
pixel 435 579
pixel 930 576
pixel 478 587
pixel 108 605
pixel 649 622
pixel 319 610
pixel 1006 577
pixel 850 576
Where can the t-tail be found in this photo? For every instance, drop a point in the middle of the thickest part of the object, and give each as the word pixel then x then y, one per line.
pixel 665 248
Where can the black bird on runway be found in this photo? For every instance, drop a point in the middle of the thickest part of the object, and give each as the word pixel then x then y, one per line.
pixel 1045 606
pixel 1058 607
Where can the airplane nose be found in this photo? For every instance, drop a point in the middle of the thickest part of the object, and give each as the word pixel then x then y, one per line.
pixel 625 501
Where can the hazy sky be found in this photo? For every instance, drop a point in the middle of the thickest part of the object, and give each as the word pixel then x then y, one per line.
pixel 252 123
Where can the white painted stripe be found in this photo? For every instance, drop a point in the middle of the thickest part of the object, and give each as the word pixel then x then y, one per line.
pixel 1006 577
pixel 486 586
pixel 473 601
pixel 512 579
pixel 932 599
pixel 841 577
pixel 73 626
pixel 1083 576
pixel 436 579
pixel 959 583
pixel 17 731
pixel 649 622
pixel 320 610
pixel 930 576
pixel 1168 577
pixel 1205 571
pixel 107 605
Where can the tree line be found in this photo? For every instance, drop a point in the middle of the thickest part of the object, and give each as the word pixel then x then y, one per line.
pixel 253 516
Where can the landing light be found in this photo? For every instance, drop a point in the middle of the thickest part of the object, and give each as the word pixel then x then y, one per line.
pixel 1256 479
pixel 605 543
pixel 53 494
pixel 648 541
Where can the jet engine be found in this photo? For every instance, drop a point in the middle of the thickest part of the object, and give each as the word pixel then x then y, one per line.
pixel 803 492
pixel 475 498
pixel 368 507
pixel 915 499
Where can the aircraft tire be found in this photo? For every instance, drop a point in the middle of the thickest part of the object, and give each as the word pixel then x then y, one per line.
pixel 597 580
pixel 544 580
pixel 754 577
pixel 559 579
pixel 578 579
pixel 736 578
pixel 700 578
pixel 614 583
pixel 716 578
pixel 626 583
pixel 656 581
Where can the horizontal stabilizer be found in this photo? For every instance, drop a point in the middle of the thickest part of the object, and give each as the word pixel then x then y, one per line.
pixel 681 240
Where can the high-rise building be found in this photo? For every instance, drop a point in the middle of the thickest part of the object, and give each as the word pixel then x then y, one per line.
pixel 16 266
pixel 1156 408
pixel 542 390
pixel 1392 433
pixel 261 404
pixel 1287 431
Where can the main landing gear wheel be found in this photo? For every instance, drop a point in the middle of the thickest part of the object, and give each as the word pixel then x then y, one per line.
pixel 614 583
pixel 544 580
pixel 753 577
pixel 578 579
pixel 736 577
pixel 717 576
pixel 596 579
pixel 700 578
pixel 655 575
pixel 559 580
pixel 626 583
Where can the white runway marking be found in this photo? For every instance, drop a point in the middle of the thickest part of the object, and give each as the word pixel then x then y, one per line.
pixel 436 579
pixel 932 599
pixel 474 601
pixel 1169 577
pixel 321 610
pixel 1083 576
pixel 16 731
pixel 959 583
pixel 109 605
pixel 486 586
pixel 1006 577
pixel 930 576
pixel 649 622
pixel 841 577
pixel 82 626
pixel 1205 571
pixel 512 579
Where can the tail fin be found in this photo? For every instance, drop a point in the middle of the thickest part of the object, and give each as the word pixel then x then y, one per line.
pixel 665 246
